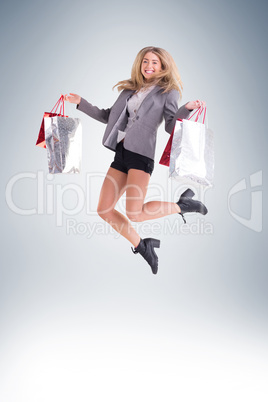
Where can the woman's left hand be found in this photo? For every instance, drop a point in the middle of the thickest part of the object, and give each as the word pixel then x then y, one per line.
pixel 195 104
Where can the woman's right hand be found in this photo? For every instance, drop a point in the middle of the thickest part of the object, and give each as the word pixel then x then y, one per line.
pixel 72 98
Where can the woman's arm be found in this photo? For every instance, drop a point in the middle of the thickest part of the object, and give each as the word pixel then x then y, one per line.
pixel 101 115
pixel 172 113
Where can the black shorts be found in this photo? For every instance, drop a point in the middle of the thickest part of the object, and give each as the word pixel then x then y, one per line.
pixel 125 160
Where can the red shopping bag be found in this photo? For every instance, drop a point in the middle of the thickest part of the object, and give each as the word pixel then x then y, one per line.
pixel 59 107
pixel 165 158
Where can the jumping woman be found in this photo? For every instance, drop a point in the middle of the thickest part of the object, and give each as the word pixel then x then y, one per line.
pixel 149 96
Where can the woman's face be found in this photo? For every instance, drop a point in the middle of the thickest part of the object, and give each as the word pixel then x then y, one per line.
pixel 150 65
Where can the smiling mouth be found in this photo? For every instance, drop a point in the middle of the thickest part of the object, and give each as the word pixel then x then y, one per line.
pixel 149 71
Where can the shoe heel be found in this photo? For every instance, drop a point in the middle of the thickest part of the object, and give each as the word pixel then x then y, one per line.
pixel 203 209
pixel 188 193
pixel 156 243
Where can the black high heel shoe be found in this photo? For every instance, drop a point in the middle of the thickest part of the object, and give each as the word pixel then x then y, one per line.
pixel 146 249
pixel 186 204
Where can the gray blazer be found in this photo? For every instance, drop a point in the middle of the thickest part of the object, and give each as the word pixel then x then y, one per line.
pixel 141 136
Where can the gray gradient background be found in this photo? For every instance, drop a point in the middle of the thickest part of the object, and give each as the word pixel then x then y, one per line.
pixel 83 318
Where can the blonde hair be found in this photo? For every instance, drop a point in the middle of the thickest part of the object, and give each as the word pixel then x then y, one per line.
pixel 168 78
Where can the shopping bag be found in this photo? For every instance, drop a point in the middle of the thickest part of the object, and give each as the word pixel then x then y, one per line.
pixel 57 110
pixel 192 151
pixel 165 158
pixel 175 146
pixel 63 136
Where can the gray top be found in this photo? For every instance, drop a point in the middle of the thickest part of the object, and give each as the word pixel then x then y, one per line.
pixel 141 136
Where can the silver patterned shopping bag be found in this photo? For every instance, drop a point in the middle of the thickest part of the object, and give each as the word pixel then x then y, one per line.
pixel 63 136
pixel 192 151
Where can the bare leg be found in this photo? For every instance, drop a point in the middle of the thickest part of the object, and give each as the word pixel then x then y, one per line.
pixel 113 188
pixel 135 183
pixel 137 211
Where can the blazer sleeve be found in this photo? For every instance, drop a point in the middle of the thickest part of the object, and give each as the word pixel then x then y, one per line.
pixel 101 115
pixel 172 112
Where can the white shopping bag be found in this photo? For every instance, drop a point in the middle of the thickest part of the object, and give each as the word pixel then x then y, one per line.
pixel 63 137
pixel 192 151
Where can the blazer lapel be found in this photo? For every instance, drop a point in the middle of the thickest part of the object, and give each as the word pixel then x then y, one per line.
pixel 153 91
pixel 126 94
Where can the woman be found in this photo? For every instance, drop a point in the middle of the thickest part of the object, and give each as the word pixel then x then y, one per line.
pixel 150 96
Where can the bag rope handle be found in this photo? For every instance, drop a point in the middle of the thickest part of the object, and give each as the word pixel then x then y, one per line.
pixel 199 112
pixel 59 104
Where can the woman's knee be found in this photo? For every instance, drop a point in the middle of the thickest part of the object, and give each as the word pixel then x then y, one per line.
pixel 135 216
pixel 105 213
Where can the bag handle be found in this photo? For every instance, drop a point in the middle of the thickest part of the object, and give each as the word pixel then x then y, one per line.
pixel 59 104
pixel 199 112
